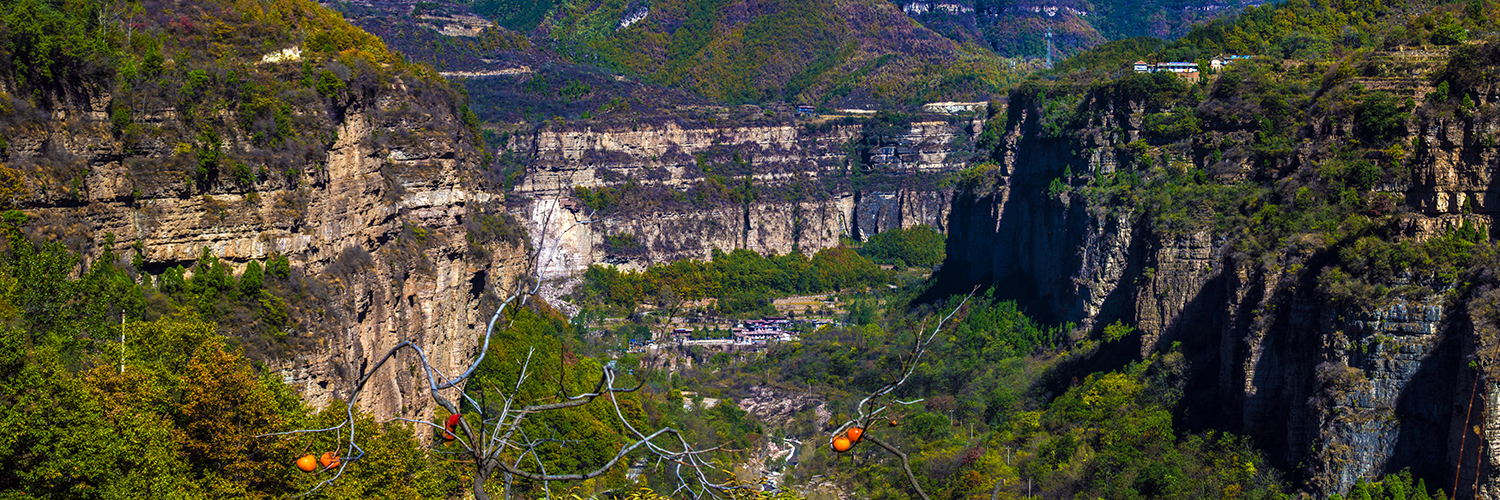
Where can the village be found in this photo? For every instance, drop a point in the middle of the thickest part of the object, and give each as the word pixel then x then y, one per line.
pixel 749 334
pixel 755 334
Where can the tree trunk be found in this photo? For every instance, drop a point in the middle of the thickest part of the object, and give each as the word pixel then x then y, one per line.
pixel 486 468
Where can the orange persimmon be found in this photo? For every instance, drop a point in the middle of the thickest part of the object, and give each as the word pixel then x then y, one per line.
pixel 854 434
pixel 329 460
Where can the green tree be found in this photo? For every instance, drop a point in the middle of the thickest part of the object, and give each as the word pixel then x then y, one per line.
pixel 1449 32
pixel 252 280
pixel 1380 117
pixel 920 246
pixel 223 404
pixel 56 441
pixel 211 281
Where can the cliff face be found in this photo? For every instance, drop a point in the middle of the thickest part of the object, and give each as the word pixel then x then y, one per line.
pixel 376 229
pixel 682 190
pixel 1333 389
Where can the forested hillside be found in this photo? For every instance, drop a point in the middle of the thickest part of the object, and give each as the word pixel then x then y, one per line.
pixel 843 54
pixel 1276 281
pixel 1009 28
pixel 1311 227
pixel 857 53
pixel 217 217
pixel 1019 28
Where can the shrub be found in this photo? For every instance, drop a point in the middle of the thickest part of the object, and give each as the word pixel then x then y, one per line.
pixel 119 117
pixel 243 174
pixel 278 266
pixel 329 85
pixel 1449 32
pixel 623 242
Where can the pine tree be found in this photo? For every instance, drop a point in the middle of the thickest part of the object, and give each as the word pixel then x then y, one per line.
pixel 1421 493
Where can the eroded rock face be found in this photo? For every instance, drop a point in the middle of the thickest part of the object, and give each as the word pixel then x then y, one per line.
pixel 1334 390
pixel 800 173
pixel 777 407
pixel 346 223
pixel 1385 394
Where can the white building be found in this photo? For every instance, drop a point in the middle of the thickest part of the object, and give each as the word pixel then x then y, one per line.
pixel 1184 70
pixel 1220 62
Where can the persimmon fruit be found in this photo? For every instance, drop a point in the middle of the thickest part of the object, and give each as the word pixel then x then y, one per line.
pixel 307 463
pixel 841 444
pixel 329 460
pixel 854 434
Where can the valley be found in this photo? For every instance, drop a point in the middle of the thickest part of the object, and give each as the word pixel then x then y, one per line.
pixel 772 250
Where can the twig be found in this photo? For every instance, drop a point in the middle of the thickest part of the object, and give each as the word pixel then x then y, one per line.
pixel 905 463
pixel 910 365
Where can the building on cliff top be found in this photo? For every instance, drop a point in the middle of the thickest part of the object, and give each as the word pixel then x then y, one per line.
pixel 1223 60
pixel 1184 70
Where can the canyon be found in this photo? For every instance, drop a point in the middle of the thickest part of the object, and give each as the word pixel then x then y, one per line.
pixel 385 230
pixel 400 224
pixel 1332 390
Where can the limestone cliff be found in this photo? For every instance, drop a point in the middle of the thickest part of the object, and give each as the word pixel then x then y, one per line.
pixel 1335 384
pixel 682 188
pixel 373 221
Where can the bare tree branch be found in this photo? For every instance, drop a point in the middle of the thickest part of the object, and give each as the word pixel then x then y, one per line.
pixel 905 463
pixel 909 366
pixel 496 442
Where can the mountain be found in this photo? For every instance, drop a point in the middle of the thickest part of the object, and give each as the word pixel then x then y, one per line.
pixel 1019 28
pixel 848 53
pixel 559 126
pixel 840 54
pixel 1312 227
pixel 218 218
pixel 1278 277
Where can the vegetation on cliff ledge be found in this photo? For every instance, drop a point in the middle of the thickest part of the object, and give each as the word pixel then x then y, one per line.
pixel 218 97
pixel 1318 168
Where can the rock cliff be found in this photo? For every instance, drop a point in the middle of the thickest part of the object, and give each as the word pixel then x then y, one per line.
pixel 1334 385
pixel 378 222
pixel 681 188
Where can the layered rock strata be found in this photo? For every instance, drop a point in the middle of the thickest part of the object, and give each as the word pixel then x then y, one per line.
pixel 1332 390
pixel 805 179
pixel 376 231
